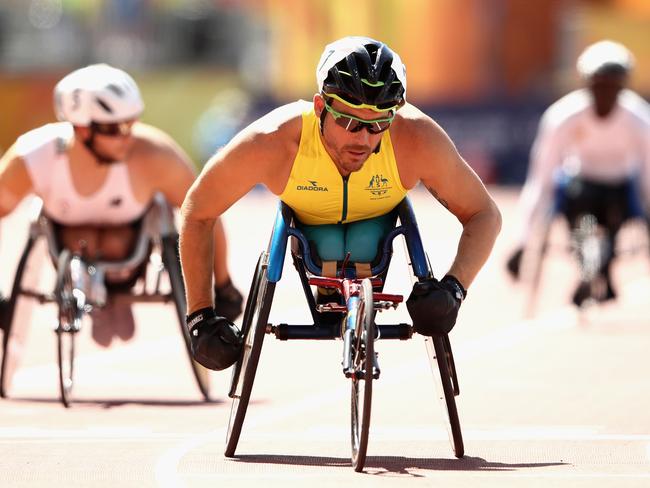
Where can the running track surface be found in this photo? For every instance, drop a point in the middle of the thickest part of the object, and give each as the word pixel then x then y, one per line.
pixel 559 399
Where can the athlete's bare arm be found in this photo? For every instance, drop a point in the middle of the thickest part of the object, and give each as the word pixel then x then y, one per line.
pixel 262 153
pixel 425 153
pixel 15 183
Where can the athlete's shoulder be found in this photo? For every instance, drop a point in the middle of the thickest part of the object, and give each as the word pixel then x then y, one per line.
pixel 412 125
pixel 636 106
pixel 566 108
pixel 281 120
pixel 51 138
pixel 155 150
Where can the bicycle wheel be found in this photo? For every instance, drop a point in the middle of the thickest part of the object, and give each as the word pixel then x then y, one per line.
pixel 446 386
pixel 68 326
pixel 172 266
pixel 8 361
pixel 363 360
pixel 258 307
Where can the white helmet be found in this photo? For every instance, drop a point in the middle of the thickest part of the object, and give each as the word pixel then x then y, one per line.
pixel 604 56
pixel 97 93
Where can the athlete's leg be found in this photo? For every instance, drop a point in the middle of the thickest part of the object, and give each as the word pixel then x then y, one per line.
pixel 116 242
pixel 80 239
pixel 364 237
pixel 328 240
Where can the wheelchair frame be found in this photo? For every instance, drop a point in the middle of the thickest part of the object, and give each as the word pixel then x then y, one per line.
pixel 80 286
pixel 255 323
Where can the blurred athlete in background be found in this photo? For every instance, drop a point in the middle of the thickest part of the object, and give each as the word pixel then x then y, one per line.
pixel 591 156
pixel 96 171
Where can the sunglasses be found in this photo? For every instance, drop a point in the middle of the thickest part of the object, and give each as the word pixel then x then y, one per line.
pixel 355 124
pixel 112 129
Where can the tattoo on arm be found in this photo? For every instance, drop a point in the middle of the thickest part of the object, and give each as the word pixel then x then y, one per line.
pixel 437 197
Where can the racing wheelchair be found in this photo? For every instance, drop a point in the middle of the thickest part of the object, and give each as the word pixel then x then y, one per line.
pixel 81 286
pixel 601 223
pixel 355 326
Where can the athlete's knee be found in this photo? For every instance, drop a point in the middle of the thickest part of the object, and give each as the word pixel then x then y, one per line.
pixel 81 240
pixel 363 249
pixel 116 244
pixel 330 249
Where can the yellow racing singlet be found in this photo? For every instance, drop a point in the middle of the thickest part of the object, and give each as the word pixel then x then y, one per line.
pixel 318 194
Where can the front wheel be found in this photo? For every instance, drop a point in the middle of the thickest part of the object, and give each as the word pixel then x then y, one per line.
pixel 363 363
pixel 69 324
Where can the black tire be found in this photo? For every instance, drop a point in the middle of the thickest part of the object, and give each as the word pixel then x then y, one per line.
pixel 173 268
pixel 9 316
pixel 446 386
pixel 361 384
pixel 69 324
pixel 258 307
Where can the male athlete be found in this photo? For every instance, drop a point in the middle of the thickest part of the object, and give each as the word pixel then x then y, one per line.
pixel 358 134
pixel 96 171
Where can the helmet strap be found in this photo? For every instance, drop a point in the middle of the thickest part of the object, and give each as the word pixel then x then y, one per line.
pixel 322 120
pixel 90 144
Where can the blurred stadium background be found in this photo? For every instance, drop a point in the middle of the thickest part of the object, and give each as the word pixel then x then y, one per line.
pixel 485 69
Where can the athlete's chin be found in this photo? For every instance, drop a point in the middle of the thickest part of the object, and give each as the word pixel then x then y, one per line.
pixel 355 162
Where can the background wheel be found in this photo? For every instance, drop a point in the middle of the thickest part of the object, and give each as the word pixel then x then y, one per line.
pixel 363 360
pixel 173 268
pixel 6 367
pixel 444 380
pixel 256 314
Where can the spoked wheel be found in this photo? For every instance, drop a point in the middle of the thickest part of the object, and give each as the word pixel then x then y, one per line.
pixel 444 375
pixel 363 361
pixel 69 324
pixel 173 268
pixel 8 318
pixel 256 314
pixel 592 248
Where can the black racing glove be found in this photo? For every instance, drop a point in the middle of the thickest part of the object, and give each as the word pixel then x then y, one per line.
pixel 433 305
pixel 215 341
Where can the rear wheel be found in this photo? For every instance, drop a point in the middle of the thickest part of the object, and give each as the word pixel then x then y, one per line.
pixel 173 267
pixel 256 314
pixel 444 375
pixel 8 319
pixel 363 361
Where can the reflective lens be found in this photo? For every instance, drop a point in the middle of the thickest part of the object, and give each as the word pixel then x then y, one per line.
pixel 112 130
pixel 355 124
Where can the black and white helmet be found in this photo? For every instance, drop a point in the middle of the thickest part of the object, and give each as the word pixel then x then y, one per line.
pixel 97 93
pixel 605 57
pixel 362 72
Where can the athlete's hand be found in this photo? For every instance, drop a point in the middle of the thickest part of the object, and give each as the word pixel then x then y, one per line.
pixel 215 341
pixel 433 305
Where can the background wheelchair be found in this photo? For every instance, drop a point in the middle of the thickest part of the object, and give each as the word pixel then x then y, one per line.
pixel 572 228
pixel 80 286
pixel 356 327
